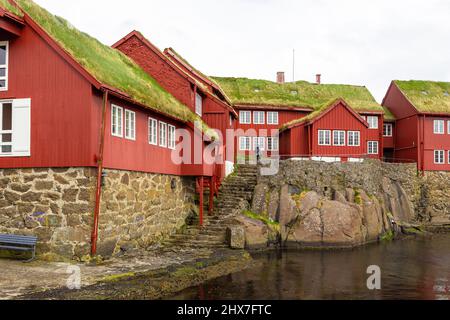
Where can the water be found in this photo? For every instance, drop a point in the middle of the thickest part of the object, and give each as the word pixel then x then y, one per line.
pixel 410 269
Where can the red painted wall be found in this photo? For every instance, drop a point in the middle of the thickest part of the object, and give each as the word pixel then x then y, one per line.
pixel 60 103
pixel 389 142
pixel 339 118
pixel 433 142
pixel 159 69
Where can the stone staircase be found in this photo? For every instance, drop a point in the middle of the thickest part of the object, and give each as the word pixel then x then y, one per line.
pixel 234 194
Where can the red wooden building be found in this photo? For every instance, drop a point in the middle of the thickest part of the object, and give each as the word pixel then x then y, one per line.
pixel 80 104
pixel 189 86
pixel 422 125
pixel 266 107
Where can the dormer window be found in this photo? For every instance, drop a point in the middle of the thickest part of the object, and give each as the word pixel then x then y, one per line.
pixel 4 52
pixel 198 104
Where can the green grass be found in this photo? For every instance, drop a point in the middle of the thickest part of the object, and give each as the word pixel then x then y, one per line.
pixel 298 94
pixel 264 219
pixel 109 66
pixel 388 114
pixel 427 96
pixel 4 4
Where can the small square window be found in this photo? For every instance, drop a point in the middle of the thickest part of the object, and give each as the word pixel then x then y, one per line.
pixel 117 121
pixel 438 126
pixel 245 117
pixel 258 117
pixel 130 125
pixel 439 156
pixel 324 137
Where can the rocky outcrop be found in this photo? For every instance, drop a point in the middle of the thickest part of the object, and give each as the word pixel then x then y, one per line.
pixel 343 204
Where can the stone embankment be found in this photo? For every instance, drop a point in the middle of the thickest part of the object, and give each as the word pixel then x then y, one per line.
pixel 314 204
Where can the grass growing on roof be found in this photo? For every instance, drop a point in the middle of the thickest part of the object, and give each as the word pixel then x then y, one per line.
pixel 427 96
pixel 107 65
pixel 9 7
pixel 298 94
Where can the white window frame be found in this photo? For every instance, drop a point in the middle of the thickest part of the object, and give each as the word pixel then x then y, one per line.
pixel 20 128
pixel 373 122
pixel 350 140
pixel 171 136
pixel 448 154
pixel 259 141
pixel 325 134
pixel 388 130
pixel 2 131
pixel 198 104
pixel 341 138
pixel 5 66
pixel 245 117
pixel 115 121
pixel 162 134
pixel 271 141
pixel 438 155
pixel 153 131
pixel 257 115
pixel 437 126
pixel 245 146
pixel 272 118
pixel 130 125
pixel 448 126
pixel 373 147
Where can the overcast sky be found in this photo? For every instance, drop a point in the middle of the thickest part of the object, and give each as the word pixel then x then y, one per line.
pixel 348 41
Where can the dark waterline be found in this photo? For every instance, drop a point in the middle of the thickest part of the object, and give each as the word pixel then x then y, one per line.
pixel 411 269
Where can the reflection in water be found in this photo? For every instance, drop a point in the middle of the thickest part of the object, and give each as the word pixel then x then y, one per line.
pixel 411 269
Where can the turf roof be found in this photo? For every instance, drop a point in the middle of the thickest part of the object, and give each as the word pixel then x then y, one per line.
pixel 297 94
pixel 5 4
pixel 109 66
pixel 427 96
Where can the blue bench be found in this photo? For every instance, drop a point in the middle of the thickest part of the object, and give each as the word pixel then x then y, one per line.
pixel 19 243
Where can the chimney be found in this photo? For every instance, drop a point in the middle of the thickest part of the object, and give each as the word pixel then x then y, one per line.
pixel 280 77
pixel 318 78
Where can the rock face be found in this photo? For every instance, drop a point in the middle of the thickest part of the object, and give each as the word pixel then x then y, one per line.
pixel 257 234
pixel 347 204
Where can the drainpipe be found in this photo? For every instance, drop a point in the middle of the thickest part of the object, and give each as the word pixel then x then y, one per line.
pixel 98 193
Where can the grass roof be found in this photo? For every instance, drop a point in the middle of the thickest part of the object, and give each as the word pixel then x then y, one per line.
pixel 109 66
pixel 297 94
pixel 388 115
pixel 427 96
pixel 310 116
pixel 6 5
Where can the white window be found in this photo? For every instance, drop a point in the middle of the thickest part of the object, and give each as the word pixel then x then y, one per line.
pixel 448 127
pixel 439 157
pixel 15 128
pixel 245 117
pixel 387 130
pixel 259 142
pixel 171 136
pixel 372 147
pixel 152 131
pixel 116 121
pixel 198 104
pixel 273 143
pixel 373 122
pixel 339 138
pixel 245 144
pixel 324 137
pixel 354 139
pixel 272 118
pixel 258 117
pixel 163 134
pixel 4 57
pixel 130 125
pixel 449 157
pixel 438 126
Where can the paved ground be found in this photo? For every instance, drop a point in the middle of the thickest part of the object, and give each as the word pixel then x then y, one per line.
pixel 18 278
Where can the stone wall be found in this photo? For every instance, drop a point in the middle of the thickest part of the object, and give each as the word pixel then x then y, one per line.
pixel 435 197
pixel 54 204
pixel 141 209
pixel 428 194
pixel 57 205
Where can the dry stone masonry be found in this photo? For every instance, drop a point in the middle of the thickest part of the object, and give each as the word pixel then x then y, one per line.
pixel 57 205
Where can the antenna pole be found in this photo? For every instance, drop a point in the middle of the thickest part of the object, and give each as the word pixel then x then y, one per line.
pixel 293 65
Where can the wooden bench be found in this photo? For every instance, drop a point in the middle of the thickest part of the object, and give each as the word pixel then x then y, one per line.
pixel 19 243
